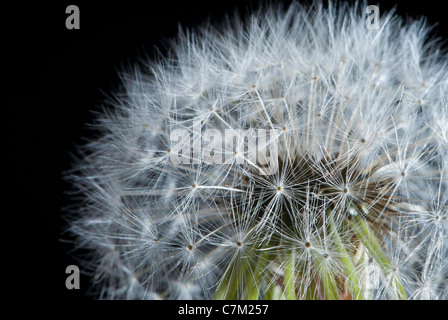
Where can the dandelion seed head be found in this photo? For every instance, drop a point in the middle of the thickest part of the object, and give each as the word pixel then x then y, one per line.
pixel 293 151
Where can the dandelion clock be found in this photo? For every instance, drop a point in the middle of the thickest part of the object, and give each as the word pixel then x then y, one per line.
pixel 297 152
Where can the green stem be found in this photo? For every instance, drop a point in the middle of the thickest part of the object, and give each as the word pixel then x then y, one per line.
pixel 254 278
pixel 305 281
pixel 290 276
pixel 310 293
pixel 370 241
pixel 243 278
pixel 229 288
pixel 328 282
pixel 347 262
pixel 274 293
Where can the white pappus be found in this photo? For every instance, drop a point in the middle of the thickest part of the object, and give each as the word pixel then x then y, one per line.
pixel 294 154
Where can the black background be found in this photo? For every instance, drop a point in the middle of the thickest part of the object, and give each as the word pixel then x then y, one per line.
pixel 55 78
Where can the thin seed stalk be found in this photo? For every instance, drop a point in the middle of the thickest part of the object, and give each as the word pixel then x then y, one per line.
pixel 347 262
pixel 327 279
pixel 242 279
pixel 229 287
pixel 254 279
pixel 310 293
pixel 370 241
pixel 275 292
pixel 290 276
pixel 306 286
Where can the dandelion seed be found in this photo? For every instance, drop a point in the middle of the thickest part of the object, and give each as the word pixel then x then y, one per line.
pixel 333 183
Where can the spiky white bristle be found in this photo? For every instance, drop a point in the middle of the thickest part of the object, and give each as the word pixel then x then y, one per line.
pixel 357 203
